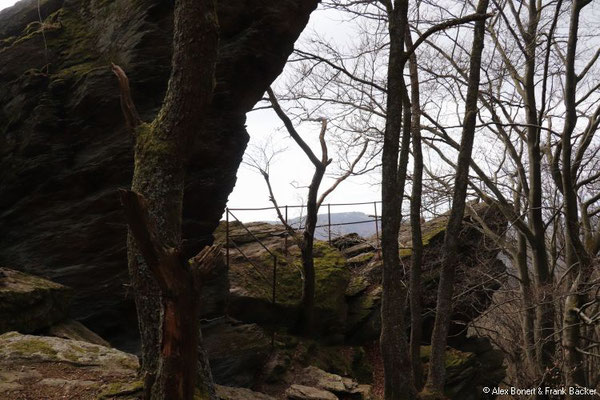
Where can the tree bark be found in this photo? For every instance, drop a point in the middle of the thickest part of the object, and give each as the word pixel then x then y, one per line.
pixel 436 376
pixel 576 254
pixel 394 346
pixel 200 137
pixel 416 307
pixel 180 284
pixel 161 152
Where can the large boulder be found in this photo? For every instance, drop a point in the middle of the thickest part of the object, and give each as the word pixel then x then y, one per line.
pixel 75 330
pixel 236 393
pixel 479 273
pixel 65 150
pixel 469 370
pixel 237 351
pixel 40 367
pixel 251 269
pixel 29 303
pixel 302 392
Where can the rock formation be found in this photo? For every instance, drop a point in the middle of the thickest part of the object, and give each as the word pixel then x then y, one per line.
pixel 64 148
pixel 29 303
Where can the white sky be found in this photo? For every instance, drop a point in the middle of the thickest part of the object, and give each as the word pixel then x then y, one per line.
pixel 6 3
pixel 293 165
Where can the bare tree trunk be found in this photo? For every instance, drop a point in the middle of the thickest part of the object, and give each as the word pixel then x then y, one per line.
pixel 307 320
pixel 216 138
pixel 576 254
pixel 180 284
pixel 161 151
pixel 307 311
pixel 394 346
pixel 545 310
pixel 527 303
pixel 416 308
pixel 436 376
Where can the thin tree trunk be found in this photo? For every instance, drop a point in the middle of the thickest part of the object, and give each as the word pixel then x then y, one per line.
pixel 307 311
pixel 545 309
pixel 416 307
pixel 527 303
pixel 308 289
pixel 527 295
pixel 576 254
pixel 436 376
pixel 394 346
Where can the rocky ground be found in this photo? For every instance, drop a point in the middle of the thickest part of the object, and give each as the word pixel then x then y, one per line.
pixel 253 351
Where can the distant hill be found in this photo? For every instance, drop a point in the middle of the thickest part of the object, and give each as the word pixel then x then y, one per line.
pixel 357 222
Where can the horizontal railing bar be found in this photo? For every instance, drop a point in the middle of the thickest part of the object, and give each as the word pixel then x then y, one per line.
pixel 302 206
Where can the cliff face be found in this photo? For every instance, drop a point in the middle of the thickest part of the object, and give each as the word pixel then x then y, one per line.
pixel 64 149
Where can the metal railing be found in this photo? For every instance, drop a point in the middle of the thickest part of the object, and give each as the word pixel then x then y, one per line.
pixel 230 240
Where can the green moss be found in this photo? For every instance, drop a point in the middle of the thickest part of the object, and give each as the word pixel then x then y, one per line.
pixel 32 346
pixel 357 284
pixel 454 358
pixel 128 363
pixel 363 306
pixel 430 231
pixel 73 357
pixel 331 277
pixel 361 258
pixel 150 149
pixel 341 360
pixel 120 389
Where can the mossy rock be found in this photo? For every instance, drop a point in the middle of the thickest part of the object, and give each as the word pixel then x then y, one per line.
pixel 342 360
pixel 454 359
pixel 360 259
pixel 467 372
pixel 251 284
pixel 42 366
pixel 477 262
pixel 122 390
pixel 29 303
pixel 241 234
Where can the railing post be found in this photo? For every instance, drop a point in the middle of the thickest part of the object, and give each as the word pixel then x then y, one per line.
pixel 274 301
pixel 377 228
pixel 285 243
pixel 227 237
pixel 329 222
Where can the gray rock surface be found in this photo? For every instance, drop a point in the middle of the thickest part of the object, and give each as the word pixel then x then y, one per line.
pixel 75 330
pixel 235 393
pixel 43 367
pixel 236 351
pixel 301 392
pixel 29 303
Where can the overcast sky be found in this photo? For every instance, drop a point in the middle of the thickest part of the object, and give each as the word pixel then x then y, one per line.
pixel 292 166
pixel 6 3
